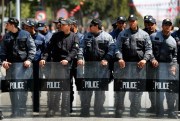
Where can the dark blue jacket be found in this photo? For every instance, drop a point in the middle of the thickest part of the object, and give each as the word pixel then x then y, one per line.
pixel 18 49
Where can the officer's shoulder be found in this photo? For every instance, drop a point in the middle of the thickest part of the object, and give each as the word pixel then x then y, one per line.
pixel 60 33
pixel 40 35
pixel 87 35
pixel 23 33
pixel 125 32
pixel 172 38
pixel 143 32
pixel 158 33
pixel 49 34
pixel 105 33
pixel 73 34
pixel 175 33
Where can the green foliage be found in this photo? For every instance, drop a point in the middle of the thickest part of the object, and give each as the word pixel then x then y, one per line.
pixel 106 8
pixel 25 10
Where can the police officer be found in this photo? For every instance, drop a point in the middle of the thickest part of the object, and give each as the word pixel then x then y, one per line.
pixel 151 27
pixel 74 28
pixel 114 26
pixel 119 98
pixel 39 39
pixel 18 46
pixel 146 22
pixel 102 52
pixel 176 36
pixel 58 23
pixel 64 46
pixel 165 50
pixel 134 45
pixel 42 27
pixel 121 25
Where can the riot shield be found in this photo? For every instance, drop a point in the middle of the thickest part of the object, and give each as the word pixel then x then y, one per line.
pixel 163 89
pixel 129 84
pixel 92 77
pixel 55 89
pixel 17 82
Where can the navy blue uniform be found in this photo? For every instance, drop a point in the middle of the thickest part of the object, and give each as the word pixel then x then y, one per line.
pixel 95 48
pixel 18 47
pixel 165 50
pixel 61 47
pixel 133 46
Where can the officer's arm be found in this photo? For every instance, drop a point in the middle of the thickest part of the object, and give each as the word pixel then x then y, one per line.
pixel 3 50
pixel 153 60
pixel 148 48
pixel 49 47
pixel 31 48
pixel 111 49
pixel 3 53
pixel 118 47
pixel 43 45
pixel 74 50
pixel 80 56
pixel 174 57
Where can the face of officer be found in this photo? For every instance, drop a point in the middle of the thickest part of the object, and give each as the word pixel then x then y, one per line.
pixel 65 28
pixel 151 27
pixel 30 29
pixel 93 28
pixel 166 29
pixel 121 25
pixel 44 31
pixel 9 26
pixel 58 26
pixel 133 24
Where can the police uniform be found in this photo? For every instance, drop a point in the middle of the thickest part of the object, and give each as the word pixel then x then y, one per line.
pixel 119 100
pixel 116 31
pixel 95 47
pixel 62 47
pixel 47 34
pixel 149 67
pixel 133 46
pixel 18 47
pixel 73 72
pixel 176 36
pixel 40 43
pixel 165 50
pixel 146 20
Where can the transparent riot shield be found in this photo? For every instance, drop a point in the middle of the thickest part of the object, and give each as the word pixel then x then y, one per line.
pixel 163 89
pixel 16 101
pixel 91 98
pixel 55 89
pixel 129 85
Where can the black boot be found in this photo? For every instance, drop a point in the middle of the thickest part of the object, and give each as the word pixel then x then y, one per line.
pixel 119 104
pixel 50 113
pixel 135 104
pixel 65 106
pixel 171 97
pixel 85 97
pixel 98 103
pixel 53 103
pixel 1 115
pixel 159 104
